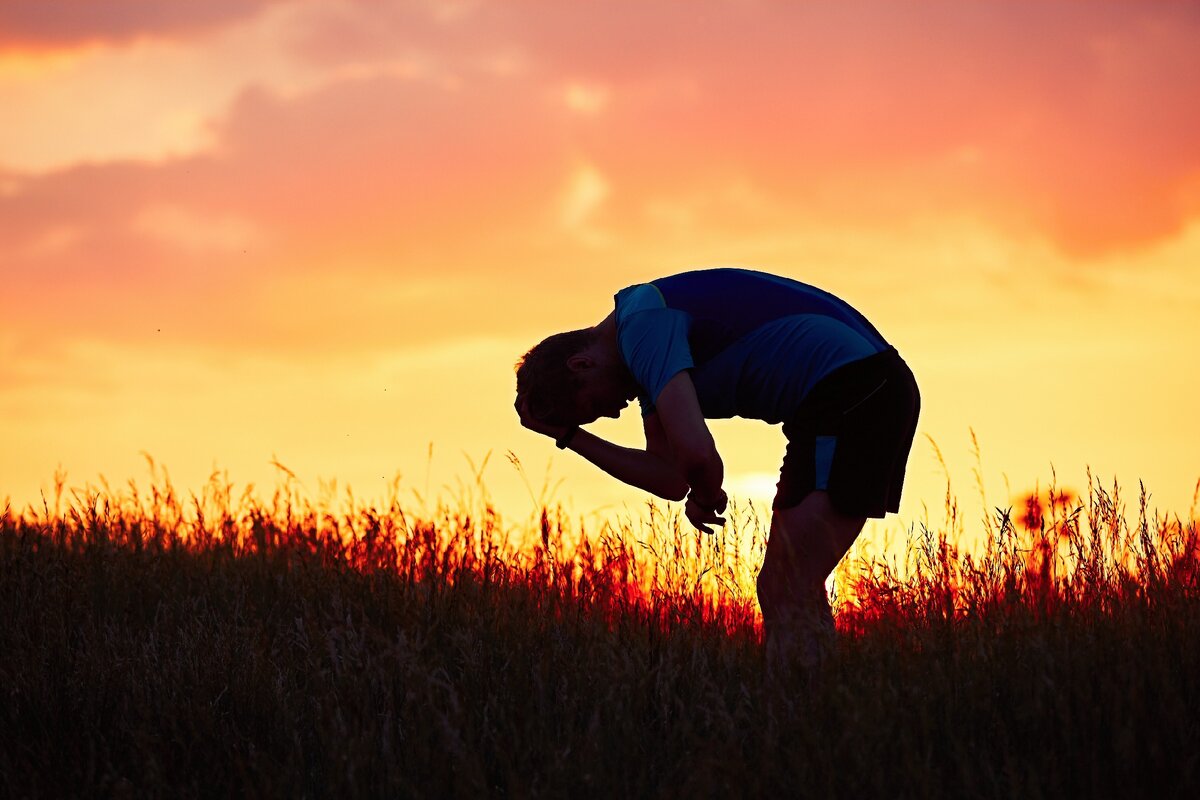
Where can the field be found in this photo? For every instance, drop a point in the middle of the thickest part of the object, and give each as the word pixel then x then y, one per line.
pixel 156 644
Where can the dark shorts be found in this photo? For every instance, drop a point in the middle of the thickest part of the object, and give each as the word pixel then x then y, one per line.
pixel 851 437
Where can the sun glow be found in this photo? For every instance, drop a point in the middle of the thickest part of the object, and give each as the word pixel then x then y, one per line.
pixel 756 487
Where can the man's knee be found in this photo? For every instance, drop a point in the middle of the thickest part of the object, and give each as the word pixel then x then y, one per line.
pixel 805 544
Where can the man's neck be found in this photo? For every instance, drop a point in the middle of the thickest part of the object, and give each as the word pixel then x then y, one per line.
pixel 606 336
pixel 606 331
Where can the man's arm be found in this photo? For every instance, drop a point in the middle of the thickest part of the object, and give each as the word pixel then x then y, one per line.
pixel 680 453
pixel 646 469
pixel 695 451
pixel 651 469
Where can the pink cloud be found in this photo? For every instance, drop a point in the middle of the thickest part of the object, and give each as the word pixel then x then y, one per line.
pixel 391 181
pixel 1076 124
pixel 33 23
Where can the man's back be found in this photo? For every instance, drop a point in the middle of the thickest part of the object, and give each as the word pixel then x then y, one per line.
pixel 727 304
pixel 756 343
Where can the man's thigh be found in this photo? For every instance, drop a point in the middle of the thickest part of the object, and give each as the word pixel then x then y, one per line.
pixel 808 540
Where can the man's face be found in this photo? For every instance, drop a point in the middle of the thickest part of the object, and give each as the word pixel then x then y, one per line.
pixel 604 393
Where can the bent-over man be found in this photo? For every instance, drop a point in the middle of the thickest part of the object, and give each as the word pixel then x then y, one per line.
pixel 719 343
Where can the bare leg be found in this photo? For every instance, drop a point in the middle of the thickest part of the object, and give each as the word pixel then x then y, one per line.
pixel 806 543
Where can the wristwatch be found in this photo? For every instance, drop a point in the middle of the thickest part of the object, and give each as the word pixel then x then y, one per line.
pixel 564 440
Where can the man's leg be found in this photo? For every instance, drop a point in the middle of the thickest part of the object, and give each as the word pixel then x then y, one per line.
pixel 805 544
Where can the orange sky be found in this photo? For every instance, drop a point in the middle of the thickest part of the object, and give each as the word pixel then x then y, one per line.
pixel 324 231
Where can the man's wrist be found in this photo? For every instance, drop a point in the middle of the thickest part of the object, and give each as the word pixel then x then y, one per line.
pixel 707 502
pixel 564 439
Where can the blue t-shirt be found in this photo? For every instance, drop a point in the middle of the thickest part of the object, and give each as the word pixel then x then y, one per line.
pixel 755 343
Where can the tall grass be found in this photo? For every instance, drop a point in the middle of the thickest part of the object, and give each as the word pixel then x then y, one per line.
pixel 221 644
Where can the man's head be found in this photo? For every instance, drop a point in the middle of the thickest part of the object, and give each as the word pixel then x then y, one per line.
pixel 574 378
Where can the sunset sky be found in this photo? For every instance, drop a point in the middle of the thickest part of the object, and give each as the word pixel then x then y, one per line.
pixel 323 231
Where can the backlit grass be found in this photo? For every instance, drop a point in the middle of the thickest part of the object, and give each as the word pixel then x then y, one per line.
pixel 218 644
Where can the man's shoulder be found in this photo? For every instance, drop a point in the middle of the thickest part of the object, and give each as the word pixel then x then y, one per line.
pixel 639 297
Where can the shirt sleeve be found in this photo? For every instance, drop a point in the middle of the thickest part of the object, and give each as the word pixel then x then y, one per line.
pixel 652 339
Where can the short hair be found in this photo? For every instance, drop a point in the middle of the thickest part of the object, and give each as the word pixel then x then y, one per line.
pixel 544 379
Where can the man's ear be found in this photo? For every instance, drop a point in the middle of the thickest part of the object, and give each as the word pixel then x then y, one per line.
pixel 580 362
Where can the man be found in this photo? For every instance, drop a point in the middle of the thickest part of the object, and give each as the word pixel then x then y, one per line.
pixel 731 342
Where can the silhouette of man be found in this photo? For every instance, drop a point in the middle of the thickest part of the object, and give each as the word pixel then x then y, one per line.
pixel 731 342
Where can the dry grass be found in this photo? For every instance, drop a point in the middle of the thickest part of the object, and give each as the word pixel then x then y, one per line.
pixel 220 644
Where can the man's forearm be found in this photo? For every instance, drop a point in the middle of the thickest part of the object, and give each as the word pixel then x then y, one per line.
pixel 639 468
pixel 705 476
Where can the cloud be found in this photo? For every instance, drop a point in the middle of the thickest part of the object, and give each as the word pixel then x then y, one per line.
pixel 1072 123
pixel 585 193
pixel 376 179
pixel 1075 125
pixel 416 172
pixel 189 231
pixel 585 98
pixel 40 23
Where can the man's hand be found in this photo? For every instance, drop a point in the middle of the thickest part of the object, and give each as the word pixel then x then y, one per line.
pixel 533 423
pixel 705 511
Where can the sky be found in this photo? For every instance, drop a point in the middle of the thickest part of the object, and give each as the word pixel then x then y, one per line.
pixel 321 232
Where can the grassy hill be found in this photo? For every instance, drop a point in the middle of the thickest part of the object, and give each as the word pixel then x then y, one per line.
pixel 218 647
